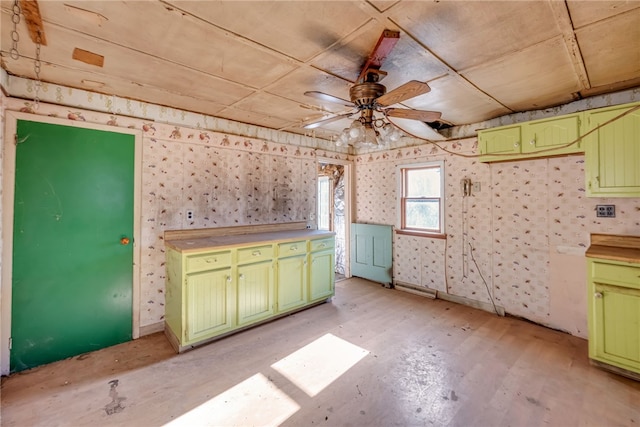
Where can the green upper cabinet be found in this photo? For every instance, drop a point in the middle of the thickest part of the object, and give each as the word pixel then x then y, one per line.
pixel 612 152
pixel 498 143
pixel 538 138
pixel 548 136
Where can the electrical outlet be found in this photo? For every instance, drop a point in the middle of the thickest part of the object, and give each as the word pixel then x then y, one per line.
pixel 607 211
pixel 190 215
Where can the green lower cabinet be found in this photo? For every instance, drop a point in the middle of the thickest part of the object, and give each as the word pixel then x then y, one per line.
pixel 292 282
pixel 210 308
pixel 255 292
pixel 612 152
pixel 213 291
pixel 614 313
pixel 321 274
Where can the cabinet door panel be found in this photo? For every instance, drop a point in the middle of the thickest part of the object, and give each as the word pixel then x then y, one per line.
pixel 554 132
pixel 292 282
pixel 208 309
pixel 255 292
pixel 617 327
pixel 500 141
pixel 613 154
pixel 321 275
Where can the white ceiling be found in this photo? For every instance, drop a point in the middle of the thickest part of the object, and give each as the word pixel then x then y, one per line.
pixel 252 61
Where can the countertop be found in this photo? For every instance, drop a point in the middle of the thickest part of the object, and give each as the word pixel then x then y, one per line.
pixel 228 242
pixel 615 248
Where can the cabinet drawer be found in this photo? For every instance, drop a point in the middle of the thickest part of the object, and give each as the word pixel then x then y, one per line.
pixel 255 254
pixel 320 244
pixel 208 261
pixel 616 274
pixel 292 248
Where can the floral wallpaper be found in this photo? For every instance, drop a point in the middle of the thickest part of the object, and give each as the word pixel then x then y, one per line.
pixel 517 233
pixel 224 179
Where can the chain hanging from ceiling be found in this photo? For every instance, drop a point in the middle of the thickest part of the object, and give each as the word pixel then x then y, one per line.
pixel 15 55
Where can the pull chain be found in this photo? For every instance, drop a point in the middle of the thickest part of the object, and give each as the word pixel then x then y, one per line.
pixel 37 65
pixel 15 37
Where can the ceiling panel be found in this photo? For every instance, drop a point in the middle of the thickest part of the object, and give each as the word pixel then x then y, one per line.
pixel 126 64
pixel 458 101
pixel 616 57
pixel 274 106
pixel 468 33
pixel 310 79
pixel 171 35
pixel 252 61
pixel 587 12
pixel 545 68
pixel 299 29
pixel 134 91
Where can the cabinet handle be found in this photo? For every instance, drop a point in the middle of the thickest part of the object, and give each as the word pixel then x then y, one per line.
pixel 294 248
pixel 516 144
pixel 598 294
pixel 256 253
pixel 532 142
pixel 210 260
pixel 241 277
pixel 229 279
pixel 324 245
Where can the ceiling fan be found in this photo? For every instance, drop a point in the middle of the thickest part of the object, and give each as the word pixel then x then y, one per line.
pixel 368 96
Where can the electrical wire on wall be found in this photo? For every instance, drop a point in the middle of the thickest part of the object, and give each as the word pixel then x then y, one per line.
pixel 537 153
pixel 486 285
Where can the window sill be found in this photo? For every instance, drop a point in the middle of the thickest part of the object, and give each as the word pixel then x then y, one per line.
pixel 421 234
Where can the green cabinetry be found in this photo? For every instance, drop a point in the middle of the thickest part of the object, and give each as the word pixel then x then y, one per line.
pixel 255 292
pixel 321 269
pixel 614 311
pixel 292 275
pixel 538 138
pixel 218 286
pixel 612 153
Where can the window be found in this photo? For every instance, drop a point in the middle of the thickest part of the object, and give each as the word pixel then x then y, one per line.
pixel 421 206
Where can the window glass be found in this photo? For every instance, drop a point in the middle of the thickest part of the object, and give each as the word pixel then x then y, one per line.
pixel 421 205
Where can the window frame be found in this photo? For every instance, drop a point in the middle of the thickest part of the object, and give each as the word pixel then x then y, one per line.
pixel 402 199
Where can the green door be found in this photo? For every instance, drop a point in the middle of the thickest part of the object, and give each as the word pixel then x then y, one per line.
pixel 72 280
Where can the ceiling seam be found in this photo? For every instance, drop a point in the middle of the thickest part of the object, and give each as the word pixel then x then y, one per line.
pixel 565 25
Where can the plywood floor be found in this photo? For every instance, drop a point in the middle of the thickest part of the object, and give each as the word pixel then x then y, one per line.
pixel 373 356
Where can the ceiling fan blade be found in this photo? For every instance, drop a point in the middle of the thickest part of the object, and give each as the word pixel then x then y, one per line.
pixel 423 116
pixel 328 98
pixel 402 93
pixel 319 123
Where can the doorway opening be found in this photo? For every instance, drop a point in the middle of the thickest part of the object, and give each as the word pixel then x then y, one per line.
pixel 333 210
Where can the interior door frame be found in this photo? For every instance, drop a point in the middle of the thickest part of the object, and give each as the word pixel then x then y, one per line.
pixel 8 191
pixel 348 205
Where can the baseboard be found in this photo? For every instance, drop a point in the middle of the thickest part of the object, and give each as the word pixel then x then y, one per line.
pixel 433 294
pixel 413 289
pixel 151 329
pixel 486 306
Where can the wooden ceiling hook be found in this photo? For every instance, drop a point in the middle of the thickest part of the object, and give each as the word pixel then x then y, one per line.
pixel 32 17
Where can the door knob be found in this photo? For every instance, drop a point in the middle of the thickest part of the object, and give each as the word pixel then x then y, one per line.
pixel 124 241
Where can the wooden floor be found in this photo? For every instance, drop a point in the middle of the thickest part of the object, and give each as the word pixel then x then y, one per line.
pixel 371 357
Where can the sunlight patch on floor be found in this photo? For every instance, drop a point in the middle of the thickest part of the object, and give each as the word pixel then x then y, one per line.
pixel 318 364
pixel 254 402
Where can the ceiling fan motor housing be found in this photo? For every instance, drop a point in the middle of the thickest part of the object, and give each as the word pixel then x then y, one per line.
pixel 365 94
